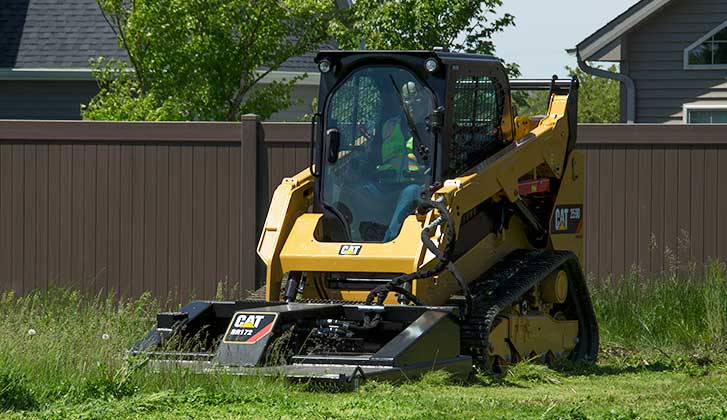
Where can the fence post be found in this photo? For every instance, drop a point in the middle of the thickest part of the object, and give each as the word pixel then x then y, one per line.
pixel 251 136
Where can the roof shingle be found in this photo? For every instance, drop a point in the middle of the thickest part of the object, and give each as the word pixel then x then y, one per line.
pixel 67 33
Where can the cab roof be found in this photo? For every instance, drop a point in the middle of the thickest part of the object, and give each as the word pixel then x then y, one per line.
pixel 445 57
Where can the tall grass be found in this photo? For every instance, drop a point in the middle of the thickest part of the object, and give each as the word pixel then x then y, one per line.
pixel 686 310
pixel 58 344
pixel 69 343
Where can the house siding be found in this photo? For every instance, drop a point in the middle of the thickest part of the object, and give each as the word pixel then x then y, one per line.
pixel 655 61
pixel 48 100
pixel 303 97
pixel 61 100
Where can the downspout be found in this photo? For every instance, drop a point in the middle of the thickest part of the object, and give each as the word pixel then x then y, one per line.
pixel 625 79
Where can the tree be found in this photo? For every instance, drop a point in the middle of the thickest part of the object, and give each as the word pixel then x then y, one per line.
pixel 598 99
pixel 459 25
pixel 203 59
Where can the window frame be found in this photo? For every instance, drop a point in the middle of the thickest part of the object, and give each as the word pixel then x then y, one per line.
pixel 700 107
pixel 699 42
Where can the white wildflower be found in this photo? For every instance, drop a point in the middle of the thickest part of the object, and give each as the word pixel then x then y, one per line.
pixel 31 332
pixel 105 337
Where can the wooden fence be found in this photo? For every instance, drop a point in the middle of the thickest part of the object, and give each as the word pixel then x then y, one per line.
pixel 177 207
pixel 128 207
pixel 656 197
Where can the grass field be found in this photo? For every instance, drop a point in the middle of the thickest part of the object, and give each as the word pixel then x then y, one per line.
pixel 61 357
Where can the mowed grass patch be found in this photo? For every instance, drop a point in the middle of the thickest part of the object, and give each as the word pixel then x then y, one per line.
pixel 527 392
pixel 62 357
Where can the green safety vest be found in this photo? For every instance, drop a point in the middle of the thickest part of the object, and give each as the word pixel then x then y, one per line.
pixel 397 152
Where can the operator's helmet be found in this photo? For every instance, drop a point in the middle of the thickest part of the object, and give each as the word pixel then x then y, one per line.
pixel 415 101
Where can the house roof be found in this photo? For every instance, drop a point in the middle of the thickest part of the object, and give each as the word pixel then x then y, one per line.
pixel 603 44
pixel 63 34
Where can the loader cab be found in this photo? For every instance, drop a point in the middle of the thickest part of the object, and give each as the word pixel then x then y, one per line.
pixel 393 125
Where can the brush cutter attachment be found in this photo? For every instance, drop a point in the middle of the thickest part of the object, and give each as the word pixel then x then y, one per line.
pixel 339 343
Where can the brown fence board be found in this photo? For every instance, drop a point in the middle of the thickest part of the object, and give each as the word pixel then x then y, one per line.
pixel 28 174
pixel 113 185
pixel 618 208
pixel 683 202
pixel 126 217
pixel 591 213
pixel 631 219
pixel 696 211
pixel 605 226
pixel 6 219
pixel 710 204
pixel 186 215
pixel 656 217
pixel 235 215
pixel 54 213
pixel 721 227
pixel 210 221
pixel 197 220
pixel 171 257
pixel 643 212
pixel 65 161
pixel 90 272
pixel 671 205
pixel 18 218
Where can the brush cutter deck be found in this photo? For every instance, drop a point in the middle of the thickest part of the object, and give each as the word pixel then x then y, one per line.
pixel 330 342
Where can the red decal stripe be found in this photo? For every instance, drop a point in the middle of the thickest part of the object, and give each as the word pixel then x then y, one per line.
pixel 534 186
pixel 260 334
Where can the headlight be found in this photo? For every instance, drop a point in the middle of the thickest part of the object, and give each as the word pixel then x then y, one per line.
pixel 324 66
pixel 431 65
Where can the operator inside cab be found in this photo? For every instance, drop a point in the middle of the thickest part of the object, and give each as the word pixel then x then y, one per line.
pixel 383 164
pixel 400 162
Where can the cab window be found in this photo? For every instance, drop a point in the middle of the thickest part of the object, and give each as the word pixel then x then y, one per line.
pixel 476 120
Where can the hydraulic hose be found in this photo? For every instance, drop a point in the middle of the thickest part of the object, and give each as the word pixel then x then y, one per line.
pixel 395 285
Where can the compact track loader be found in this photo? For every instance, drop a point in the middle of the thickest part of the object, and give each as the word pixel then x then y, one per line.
pixel 434 229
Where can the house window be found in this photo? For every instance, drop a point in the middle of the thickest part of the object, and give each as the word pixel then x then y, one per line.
pixel 708 52
pixel 708 114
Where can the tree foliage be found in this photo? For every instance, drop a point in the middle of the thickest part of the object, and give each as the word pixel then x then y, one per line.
pixel 203 59
pixel 458 25
pixel 598 99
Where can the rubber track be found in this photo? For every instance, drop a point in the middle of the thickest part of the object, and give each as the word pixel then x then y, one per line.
pixel 511 278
